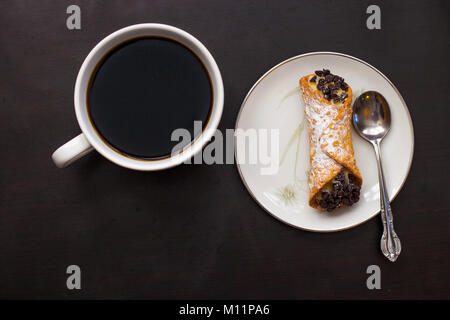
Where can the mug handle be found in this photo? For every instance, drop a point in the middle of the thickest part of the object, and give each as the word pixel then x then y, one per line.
pixel 71 151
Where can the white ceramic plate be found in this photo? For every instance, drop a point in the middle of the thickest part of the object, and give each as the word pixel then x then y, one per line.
pixel 274 102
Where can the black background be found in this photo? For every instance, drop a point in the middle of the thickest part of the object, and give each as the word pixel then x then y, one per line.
pixel 194 231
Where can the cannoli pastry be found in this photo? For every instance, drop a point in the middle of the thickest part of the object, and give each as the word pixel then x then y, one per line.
pixel 334 178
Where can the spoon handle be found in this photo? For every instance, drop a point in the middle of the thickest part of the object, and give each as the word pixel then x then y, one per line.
pixel 390 242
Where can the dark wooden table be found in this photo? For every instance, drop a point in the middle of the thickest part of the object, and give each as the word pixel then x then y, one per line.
pixel 194 231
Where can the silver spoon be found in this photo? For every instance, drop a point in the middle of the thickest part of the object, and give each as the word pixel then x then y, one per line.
pixel 372 121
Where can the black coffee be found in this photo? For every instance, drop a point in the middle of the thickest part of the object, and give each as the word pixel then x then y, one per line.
pixel 143 90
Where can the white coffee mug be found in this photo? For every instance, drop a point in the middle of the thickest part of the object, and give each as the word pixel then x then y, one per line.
pixel 89 139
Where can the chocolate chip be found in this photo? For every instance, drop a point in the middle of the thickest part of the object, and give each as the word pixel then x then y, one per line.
pixel 328 82
pixel 351 178
pixel 325 195
pixel 323 204
pixel 331 206
pixel 346 201
pixel 344 95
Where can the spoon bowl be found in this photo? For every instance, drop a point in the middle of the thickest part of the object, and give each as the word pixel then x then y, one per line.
pixel 371 116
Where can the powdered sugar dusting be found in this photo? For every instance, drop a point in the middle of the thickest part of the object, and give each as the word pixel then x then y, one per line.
pixel 320 116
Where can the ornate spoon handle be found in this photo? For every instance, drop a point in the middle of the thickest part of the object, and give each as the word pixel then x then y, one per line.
pixel 390 242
